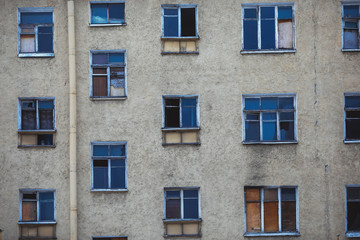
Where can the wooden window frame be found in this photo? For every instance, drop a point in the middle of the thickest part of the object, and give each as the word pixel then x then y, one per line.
pixel 357 94
pixel 179 7
pixel 108 24
pixel 343 20
pixel 262 232
pixel 108 159
pixel 36 25
pixel 258 18
pixel 36 191
pixel 277 111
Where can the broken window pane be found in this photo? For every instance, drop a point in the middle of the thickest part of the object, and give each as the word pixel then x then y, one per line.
pixel 116 13
pixel 172 114
pixel 287 131
pixel 99 13
pixel 188 22
pixel 285 38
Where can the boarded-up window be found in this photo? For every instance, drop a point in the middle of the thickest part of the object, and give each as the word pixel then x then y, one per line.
pixel 37 206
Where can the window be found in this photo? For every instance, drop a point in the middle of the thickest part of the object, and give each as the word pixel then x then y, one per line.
pixel 179 21
pixel 37 206
pixel 108 13
pixel 271 211
pixel 350 25
pixel 36 32
pixel 352 117
pixel 108 78
pixel 268 27
pixel 180 120
pixel 109 238
pixel 269 118
pixel 182 212
pixel 352 210
pixel 36 121
pixel 109 166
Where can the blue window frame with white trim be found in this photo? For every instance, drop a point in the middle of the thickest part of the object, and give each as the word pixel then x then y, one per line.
pixel 36 32
pixel 107 13
pixel 350 25
pixel 179 21
pixel 37 206
pixel 108 166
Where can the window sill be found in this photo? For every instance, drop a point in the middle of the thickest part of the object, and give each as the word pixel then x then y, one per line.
pixel 352 234
pixel 180 129
pixel 350 50
pixel 36 223
pixel 267 51
pixel 36 146
pixel 276 234
pixel 37 131
pixel 182 220
pixel 179 53
pixel 107 24
pixel 31 55
pixel 122 98
pixel 351 141
pixel 269 143
pixel 108 190
pixel 181 38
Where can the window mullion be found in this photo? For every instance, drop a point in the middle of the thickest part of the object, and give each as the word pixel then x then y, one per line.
pixel 261 126
pixel 179 21
pixel 108 81
pixel 278 125
pixel 38 206
pixel 279 207
pixel 36 38
pixel 276 29
pixel 180 111
pixel 259 27
pixel 37 114
pixel 262 209
pixel 108 12
pixel 182 203
pixel 109 173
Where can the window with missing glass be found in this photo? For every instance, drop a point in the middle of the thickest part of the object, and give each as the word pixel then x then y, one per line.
pixel 36 32
pixel 108 165
pixel 268 27
pixel 352 117
pixel 107 13
pixel 179 21
pixel 269 118
pixel 180 111
pixel 350 25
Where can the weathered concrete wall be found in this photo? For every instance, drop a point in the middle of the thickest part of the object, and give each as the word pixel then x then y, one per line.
pixel 319 73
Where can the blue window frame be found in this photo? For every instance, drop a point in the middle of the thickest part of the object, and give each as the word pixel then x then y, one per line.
pixel 350 25
pixel 36 32
pixel 111 13
pixel 269 118
pixel 182 203
pixel 109 166
pixel 37 205
pixel 179 21
pixel 352 210
pixel 181 112
pixel 268 27
pixel 352 117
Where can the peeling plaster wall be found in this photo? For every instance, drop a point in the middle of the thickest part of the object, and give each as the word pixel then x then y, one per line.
pixel 319 73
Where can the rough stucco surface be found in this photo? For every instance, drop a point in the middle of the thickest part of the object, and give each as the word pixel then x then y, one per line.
pixel 319 73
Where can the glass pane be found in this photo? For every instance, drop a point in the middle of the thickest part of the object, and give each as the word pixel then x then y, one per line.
pixel 45 39
pixel 46 196
pixel 284 12
pixel 190 193
pixel 253 116
pixel 191 208
pixel 116 57
pixel 269 116
pixel 352 114
pixel 269 103
pixel 352 129
pixel 288 194
pixel 267 12
pixel 44 139
pixel 188 22
pixel 287 131
pixel 288 216
pixel 270 194
pixel 173 194
pixel 117 174
pixel 353 193
pixel 286 103
pixel 171 27
pixel 351 11
pixel 173 208
pixel 252 131
pixel 188 102
pixel 98 13
pixel 250 35
pixel 286 116
pixel 100 150
pixel 252 103
pixel 116 13
pixel 117 150
pixel 46 119
pixel 351 25
pixel 269 131
pixel 353 216
pixel 250 13
pixel 170 11
pixel 189 117
pixel 99 58
pixel 352 101
pixel 100 177
pixel 28 104
pixel 36 17
pixel 271 217
pixel 46 211
pixel 267 34
pixel 28 119
pixel 46 104
pixel 351 39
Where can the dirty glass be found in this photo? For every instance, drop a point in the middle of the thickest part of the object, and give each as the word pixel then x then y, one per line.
pixel 173 204
pixel 116 13
pixel 36 17
pixel 98 13
pixel 28 119
pixel 351 11
pixel 117 174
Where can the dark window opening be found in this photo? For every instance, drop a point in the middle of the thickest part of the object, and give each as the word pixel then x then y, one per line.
pixel 188 22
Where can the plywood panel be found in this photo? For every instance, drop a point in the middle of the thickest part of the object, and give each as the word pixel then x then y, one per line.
pixel 27 43
pixel 271 217
pixel 173 229
pixel 28 139
pixel 117 91
pixel 288 216
pixel 172 137
pixel 253 194
pixel 171 46
pixel 99 86
pixel 253 217
pixel 189 137
pixel 191 46
pixel 46 231
pixel 191 228
pixel 33 232
pixel 29 211
pixel 285 34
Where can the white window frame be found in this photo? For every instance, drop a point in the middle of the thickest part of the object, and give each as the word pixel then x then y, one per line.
pixel 36 9
pixel 106 24
pixel 258 16
pixel 293 95
pixel 109 158
pixel 108 66
pixel 357 94
pixel 179 7
pixel 262 233
pixel 181 189
pixel 349 234
pixel 347 3
pixel 180 115
pixel 37 191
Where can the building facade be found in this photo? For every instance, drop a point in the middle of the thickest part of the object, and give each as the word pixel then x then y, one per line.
pixel 195 119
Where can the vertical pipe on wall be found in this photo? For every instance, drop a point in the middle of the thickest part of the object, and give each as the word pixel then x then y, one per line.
pixel 72 117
